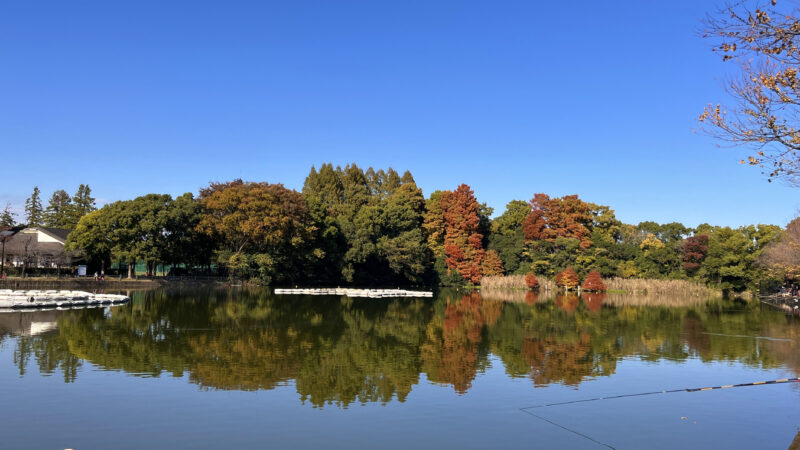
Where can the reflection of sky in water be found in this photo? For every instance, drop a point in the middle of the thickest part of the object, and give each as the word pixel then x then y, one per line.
pixel 461 392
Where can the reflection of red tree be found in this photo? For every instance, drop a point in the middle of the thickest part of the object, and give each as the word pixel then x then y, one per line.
pixel 455 359
pixel 594 301
pixel 491 311
pixel 696 337
pixel 568 302
pixel 531 297
pixel 552 361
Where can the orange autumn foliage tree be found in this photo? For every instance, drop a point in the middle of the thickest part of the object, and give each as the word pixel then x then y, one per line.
pixel 551 218
pixel 567 279
pixel 531 281
pixel 463 244
pixel 492 264
pixel 594 282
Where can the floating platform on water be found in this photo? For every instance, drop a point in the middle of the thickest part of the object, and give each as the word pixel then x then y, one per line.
pixel 370 293
pixel 10 299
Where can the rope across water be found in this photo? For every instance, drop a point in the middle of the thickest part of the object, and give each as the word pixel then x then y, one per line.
pixel 528 409
pixel 755 383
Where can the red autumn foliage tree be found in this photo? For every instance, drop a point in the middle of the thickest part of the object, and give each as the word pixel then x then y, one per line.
pixel 551 218
pixel 531 297
pixel 567 279
pixel 492 264
pixel 594 282
pixel 463 244
pixel 694 251
pixel 531 281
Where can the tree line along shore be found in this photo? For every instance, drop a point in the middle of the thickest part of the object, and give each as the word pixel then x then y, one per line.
pixel 350 226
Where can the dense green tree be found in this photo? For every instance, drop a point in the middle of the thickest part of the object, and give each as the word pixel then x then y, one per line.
pixel 402 243
pixel 323 192
pixel 95 234
pixel 152 228
pixel 262 230
pixel 668 233
pixel 370 225
pixel 729 262
pixel 186 244
pixel 507 237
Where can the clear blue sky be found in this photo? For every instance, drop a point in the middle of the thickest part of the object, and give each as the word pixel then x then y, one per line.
pixel 593 98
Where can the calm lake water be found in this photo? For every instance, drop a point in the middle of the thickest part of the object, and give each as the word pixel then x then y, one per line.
pixel 218 368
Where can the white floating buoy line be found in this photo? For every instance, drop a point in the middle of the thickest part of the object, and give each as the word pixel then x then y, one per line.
pixel 370 293
pixel 34 299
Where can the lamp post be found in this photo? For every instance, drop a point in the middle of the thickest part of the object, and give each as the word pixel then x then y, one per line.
pixel 3 260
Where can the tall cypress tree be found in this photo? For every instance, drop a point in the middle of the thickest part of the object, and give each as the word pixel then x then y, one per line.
pixel 33 209
pixel 82 204
pixel 58 210
pixel 324 194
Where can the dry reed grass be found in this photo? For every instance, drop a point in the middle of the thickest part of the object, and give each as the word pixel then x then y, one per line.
pixel 516 282
pixel 623 291
pixel 649 287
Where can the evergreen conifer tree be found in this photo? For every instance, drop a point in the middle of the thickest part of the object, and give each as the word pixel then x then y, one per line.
pixel 58 210
pixel 82 204
pixel 33 209
pixel 7 217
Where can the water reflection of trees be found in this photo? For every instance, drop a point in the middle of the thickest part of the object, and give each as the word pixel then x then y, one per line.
pixel 341 350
